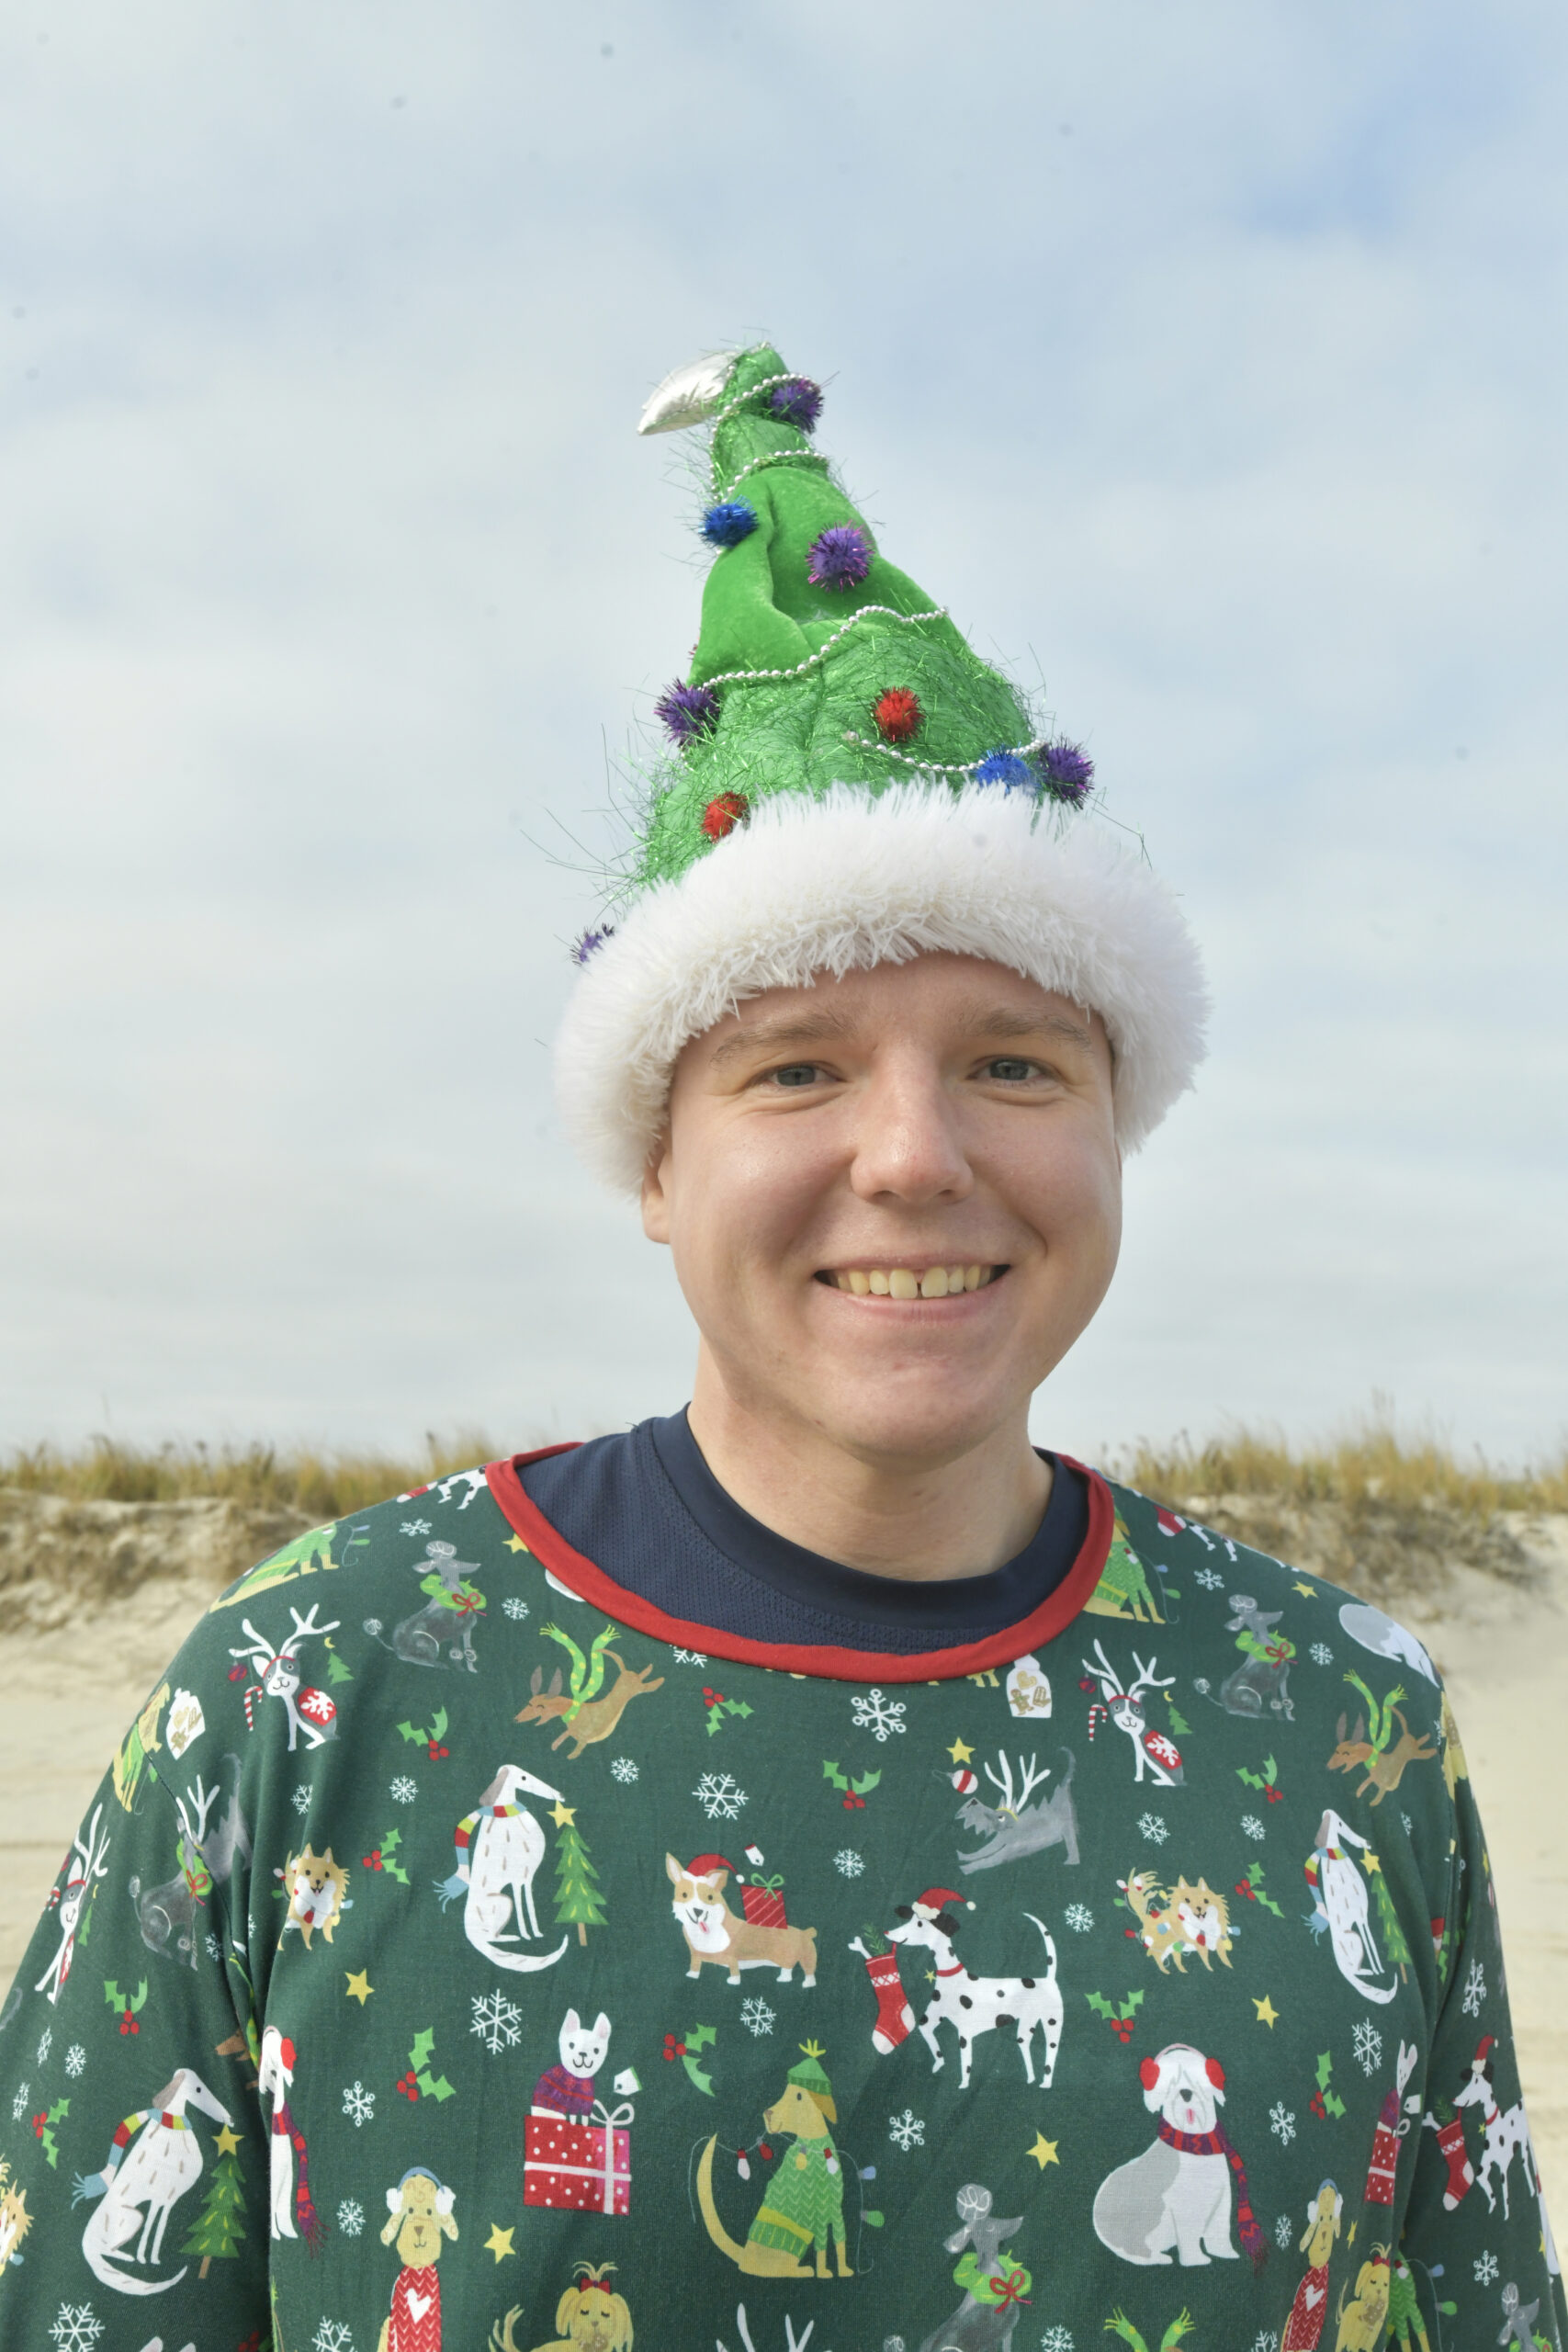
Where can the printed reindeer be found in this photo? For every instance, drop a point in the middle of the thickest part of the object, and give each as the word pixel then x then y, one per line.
pixel 585 1717
pixel 975 2004
pixel 166 1914
pixel 1153 1751
pixel 84 1866
pixel 277 1676
pixel 1382 1763
pixel 1014 1827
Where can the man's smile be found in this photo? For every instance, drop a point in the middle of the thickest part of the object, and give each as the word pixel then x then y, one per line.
pixel 908 1282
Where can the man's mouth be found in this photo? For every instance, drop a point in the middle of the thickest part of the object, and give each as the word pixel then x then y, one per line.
pixel 910 1281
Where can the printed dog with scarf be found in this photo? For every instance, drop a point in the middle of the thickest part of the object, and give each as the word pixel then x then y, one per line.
pixel 1179 2192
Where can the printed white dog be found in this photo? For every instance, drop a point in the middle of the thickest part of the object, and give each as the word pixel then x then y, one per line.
pixel 1174 2194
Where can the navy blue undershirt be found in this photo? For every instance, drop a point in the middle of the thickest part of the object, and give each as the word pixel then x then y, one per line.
pixel 645 1507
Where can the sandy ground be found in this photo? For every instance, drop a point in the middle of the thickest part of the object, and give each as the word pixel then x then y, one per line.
pixel 1505 1655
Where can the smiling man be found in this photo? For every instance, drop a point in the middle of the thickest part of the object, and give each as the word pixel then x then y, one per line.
pixel 989 1893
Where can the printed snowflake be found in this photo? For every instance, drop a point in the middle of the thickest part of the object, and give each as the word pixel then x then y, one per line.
pixel 907 2131
pixel 1056 2339
pixel 1284 2231
pixel 623 1771
pixel 1409 1824
pixel 847 1863
pixel 1079 1918
pixel 214 1949
pixel 350 2218
pixel 76 2330
pixel 1266 2341
pixel 404 1791
pixel 690 1658
pixel 19 2104
pixel 1475 1989
pixel 75 2058
pixel 1367 2044
pixel 1283 2124
pixel 514 1608
pixel 1251 1825
pixel 416 1527
pixel 876 1714
pixel 1152 1826
pixel 46 2043
pixel 332 2335
pixel 359 2105
pixel 300 1799
pixel 1209 1579
pixel 496 2022
pixel 719 1795
pixel 1485 2270
pixel 1322 1654
pixel 756 2016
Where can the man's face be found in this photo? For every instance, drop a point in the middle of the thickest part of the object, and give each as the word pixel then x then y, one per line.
pixel 838 1158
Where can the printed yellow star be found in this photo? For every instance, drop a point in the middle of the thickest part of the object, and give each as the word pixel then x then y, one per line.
pixel 1044 2151
pixel 1266 2013
pixel 562 1814
pixel 515 1543
pixel 359 1987
pixel 1307 1592
pixel 498 2242
pixel 1350 2234
pixel 960 1752
pixel 1370 1863
pixel 228 2143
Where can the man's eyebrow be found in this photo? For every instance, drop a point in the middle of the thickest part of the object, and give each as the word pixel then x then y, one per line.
pixel 789 1029
pixel 1007 1022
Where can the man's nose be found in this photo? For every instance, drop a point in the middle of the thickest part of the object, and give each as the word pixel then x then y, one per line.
pixel 908 1143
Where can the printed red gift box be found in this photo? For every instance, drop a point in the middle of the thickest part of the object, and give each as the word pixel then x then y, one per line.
pixel 578 2167
pixel 762 1902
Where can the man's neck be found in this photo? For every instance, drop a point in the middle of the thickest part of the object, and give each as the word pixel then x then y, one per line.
pixel 901 1519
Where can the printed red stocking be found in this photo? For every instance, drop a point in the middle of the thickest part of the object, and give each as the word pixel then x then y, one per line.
pixel 1462 2173
pixel 894 2017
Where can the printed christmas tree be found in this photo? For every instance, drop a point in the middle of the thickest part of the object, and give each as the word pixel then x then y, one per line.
pixel 577 1898
pixel 1395 1950
pixel 219 2227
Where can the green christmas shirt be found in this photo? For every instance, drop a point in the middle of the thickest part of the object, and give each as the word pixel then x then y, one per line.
pixel 459 1951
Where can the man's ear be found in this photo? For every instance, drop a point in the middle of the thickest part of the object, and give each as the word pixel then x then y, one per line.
pixel 655 1198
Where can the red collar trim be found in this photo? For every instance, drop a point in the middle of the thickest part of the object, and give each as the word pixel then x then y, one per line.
pixel 956 1970
pixel 1055 1614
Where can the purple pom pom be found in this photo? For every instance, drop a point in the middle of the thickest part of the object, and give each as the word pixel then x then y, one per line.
pixel 591 943
pixel 798 402
pixel 1068 771
pixel 728 523
pixel 839 558
pixel 1008 769
pixel 687 711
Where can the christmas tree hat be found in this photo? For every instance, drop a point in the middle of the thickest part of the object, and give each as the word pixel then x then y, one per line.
pixel 847 784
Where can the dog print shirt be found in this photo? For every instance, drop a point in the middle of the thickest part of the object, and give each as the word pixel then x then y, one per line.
pixel 1132 1970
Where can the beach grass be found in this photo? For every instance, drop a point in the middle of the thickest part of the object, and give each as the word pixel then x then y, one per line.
pixel 322 1482
pixel 1370 1462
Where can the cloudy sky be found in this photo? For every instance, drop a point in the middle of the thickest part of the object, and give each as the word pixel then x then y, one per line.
pixel 1206 360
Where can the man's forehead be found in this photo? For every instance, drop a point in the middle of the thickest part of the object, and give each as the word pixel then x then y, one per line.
pixel 977 999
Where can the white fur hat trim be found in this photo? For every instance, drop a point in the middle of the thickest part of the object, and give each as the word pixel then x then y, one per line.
pixel 852 881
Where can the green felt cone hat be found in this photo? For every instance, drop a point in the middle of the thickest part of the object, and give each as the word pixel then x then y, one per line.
pixel 847 784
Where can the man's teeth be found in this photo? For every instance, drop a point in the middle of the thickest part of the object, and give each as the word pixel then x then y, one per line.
pixel 901 1282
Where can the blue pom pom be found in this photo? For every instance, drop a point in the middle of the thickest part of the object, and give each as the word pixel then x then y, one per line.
pixel 1008 769
pixel 728 523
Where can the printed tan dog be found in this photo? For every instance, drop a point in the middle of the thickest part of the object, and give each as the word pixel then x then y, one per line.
pixel 590 2317
pixel 803 2204
pixel 714 1934
pixel 1361 2319
pixel 316 1886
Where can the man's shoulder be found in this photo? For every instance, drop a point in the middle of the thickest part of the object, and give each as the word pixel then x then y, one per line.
pixel 425 1525
pixel 1158 1554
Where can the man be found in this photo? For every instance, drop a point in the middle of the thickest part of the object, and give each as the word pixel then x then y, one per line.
pixel 932 1830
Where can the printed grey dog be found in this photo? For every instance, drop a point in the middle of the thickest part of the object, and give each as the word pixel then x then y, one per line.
pixel 1015 1827
pixel 977 2326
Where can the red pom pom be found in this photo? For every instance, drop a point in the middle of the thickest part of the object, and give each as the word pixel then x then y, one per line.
pixel 1148 2073
pixel 722 816
pixel 898 715
pixel 1215 2073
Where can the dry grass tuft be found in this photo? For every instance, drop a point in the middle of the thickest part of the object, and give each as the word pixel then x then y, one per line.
pixel 320 1484
pixel 1370 1463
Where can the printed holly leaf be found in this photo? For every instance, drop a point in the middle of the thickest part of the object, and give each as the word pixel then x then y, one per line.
pixel 431 2085
pixel 1099 2005
pixel 412 1731
pixel 864 1785
pixel 1254 1880
pixel 698 2038
pixel 439 1724
pixel 1332 2103
pixel 424 2048
pixel 1133 2001
pixel 124 2001
pixel 43 2128
pixel 1253 1780
pixel 831 1773
pixel 701 2037
pixel 389 1846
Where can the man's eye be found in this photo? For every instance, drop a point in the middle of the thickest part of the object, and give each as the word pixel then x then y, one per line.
pixel 1011 1070
pixel 797 1074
